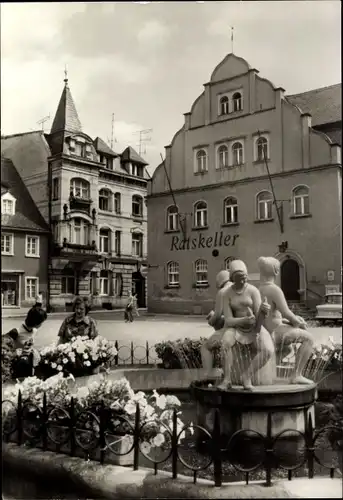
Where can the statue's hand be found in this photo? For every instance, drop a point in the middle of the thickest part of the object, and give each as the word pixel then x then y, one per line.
pixel 265 307
pixel 248 321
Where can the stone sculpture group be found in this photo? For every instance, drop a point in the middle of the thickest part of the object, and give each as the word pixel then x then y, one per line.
pixel 254 328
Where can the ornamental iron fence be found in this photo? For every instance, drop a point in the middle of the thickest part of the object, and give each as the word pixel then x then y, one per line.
pixel 97 432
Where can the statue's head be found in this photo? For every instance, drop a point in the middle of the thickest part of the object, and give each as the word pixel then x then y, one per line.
pixel 238 272
pixel 268 266
pixel 222 278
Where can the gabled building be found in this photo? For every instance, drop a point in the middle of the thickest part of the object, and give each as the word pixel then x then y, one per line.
pixel 251 173
pixel 94 201
pixel 24 242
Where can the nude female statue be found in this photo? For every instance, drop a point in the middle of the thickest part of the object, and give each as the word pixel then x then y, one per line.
pixel 241 304
pixel 282 324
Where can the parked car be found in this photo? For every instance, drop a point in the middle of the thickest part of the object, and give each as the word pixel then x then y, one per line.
pixel 331 309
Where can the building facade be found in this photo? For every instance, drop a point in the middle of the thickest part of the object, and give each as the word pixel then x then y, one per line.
pixel 24 243
pixel 247 175
pixel 94 201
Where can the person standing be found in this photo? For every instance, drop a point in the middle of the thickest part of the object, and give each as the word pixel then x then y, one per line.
pixel 129 308
pixel 79 323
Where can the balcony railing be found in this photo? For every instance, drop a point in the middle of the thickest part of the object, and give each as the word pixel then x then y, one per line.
pixel 79 203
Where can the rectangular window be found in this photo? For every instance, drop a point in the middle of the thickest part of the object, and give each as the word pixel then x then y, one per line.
pixel 68 284
pixel 265 210
pixel 117 203
pixel 32 246
pixel 55 189
pixel 31 288
pixel 103 286
pixel 7 207
pixel 201 273
pixel 301 205
pixel 7 246
pixel 109 163
pixel 173 274
pixel 104 243
pixel 137 245
pixel 231 214
pixel 117 242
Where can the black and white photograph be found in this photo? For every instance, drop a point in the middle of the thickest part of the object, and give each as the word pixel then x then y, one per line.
pixel 171 250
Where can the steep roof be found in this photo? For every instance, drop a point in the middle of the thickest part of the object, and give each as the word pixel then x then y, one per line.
pixel 101 147
pixel 129 154
pixel 66 117
pixel 323 104
pixel 27 215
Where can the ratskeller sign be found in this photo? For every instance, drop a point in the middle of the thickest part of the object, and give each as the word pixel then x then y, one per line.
pixel 218 240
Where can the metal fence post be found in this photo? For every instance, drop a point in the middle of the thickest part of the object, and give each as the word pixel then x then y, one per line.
pixel 309 436
pixel 136 438
pixel 216 450
pixel 269 450
pixel 45 423
pixel 72 428
pixel 174 445
pixel 147 352
pixel 116 357
pixel 103 422
pixel 19 418
pixel 132 353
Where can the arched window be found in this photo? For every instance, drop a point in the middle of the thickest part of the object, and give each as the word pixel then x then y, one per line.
pixel 301 200
pixel 172 218
pixel 261 149
pixel 200 214
pixel 80 188
pixel 230 211
pixel 237 101
pixel 201 272
pixel 137 206
pixel 264 206
pixel 104 241
pixel 227 263
pixel 117 203
pixel 80 231
pixel 224 105
pixel 201 161
pixel 237 153
pixel 105 200
pixel 223 156
pixel 173 274
pixel 137 244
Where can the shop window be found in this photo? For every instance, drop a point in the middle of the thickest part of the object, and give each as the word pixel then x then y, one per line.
pixel 230 211
pixel 32 246
pixel 31 288
pixel 301 200
pixel 68 285
pixel 173 274
pixel 118 284
pixel 201 272
pixel 172 218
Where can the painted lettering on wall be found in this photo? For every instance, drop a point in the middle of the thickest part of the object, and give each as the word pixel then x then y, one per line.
pixel 219 239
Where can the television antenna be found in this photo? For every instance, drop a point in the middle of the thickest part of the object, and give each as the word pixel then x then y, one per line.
pixel 43 120
pixel 143 139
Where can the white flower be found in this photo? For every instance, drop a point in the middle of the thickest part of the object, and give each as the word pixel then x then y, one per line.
pixel 145 447
pixel 65 360
pixel 87 363
pixel 59 368
pixel 130 408
pixel 161 402
pixel 173 401
pixel 158 439
pixel 85 355
pixel 53 365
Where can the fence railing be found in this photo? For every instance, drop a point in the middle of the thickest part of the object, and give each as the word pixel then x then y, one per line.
pixel 95 431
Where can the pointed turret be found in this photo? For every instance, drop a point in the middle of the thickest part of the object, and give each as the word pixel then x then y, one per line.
pixel 66 118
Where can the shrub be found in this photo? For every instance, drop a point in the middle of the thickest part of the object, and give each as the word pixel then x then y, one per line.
pixel 7 357
pixel 183 353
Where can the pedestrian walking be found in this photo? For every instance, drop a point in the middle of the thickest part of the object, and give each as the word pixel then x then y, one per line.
pixel 128 309
pixel 135 306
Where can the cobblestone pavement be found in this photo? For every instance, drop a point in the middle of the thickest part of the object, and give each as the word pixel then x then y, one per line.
pixel 146 328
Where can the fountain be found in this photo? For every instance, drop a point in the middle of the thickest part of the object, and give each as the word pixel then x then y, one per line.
pixel 271 398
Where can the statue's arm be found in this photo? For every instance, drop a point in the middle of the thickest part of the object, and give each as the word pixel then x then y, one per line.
pixel 281 305
pixel 256 301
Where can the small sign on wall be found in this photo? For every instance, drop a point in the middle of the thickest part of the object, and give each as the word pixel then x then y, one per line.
pixel 331 289
pixel 331 275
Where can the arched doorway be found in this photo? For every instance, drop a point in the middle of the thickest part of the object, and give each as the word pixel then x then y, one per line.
pixel 138 287
pixel 290 279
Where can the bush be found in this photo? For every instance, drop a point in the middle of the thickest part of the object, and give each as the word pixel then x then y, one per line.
pixel 7 357
pixel 183 353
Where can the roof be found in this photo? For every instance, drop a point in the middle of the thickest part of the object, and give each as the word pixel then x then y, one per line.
pixel 335 136
pixel 129 154
pixel 27 215
pixel 101 147
pixel 323 104
pixel 66 117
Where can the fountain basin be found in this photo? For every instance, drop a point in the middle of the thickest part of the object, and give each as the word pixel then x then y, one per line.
pixel 288 404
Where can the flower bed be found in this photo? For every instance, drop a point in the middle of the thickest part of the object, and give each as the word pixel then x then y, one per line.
pixel 109 404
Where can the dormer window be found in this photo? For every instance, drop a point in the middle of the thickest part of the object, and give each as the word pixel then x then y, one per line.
pixel 137 170
pixel 109 163
pixel 8 204
pixel 72 145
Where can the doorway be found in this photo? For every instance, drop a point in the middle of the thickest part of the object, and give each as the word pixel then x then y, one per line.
pixel 138 287
pixel 10 291
pixel 290 279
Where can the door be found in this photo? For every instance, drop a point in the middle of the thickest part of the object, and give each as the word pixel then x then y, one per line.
pixel 138 287
pixel 290 279
pixel 9 292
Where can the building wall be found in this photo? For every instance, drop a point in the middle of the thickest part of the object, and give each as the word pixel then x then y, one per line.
pixel 23 266
pixel 298 155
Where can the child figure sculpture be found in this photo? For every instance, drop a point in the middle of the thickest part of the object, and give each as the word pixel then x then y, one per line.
pixel 282 324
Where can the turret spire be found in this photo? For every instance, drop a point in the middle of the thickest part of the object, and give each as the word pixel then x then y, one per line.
pixel 66 118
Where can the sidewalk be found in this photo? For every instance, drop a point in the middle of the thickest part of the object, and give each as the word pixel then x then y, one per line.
pixel 21 312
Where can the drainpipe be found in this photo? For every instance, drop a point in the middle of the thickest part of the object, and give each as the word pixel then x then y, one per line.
pixel 50 243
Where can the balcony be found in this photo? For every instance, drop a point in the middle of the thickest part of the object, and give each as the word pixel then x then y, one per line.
pixel 80 204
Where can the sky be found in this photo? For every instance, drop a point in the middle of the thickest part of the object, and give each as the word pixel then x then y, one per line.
pixel 147 62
